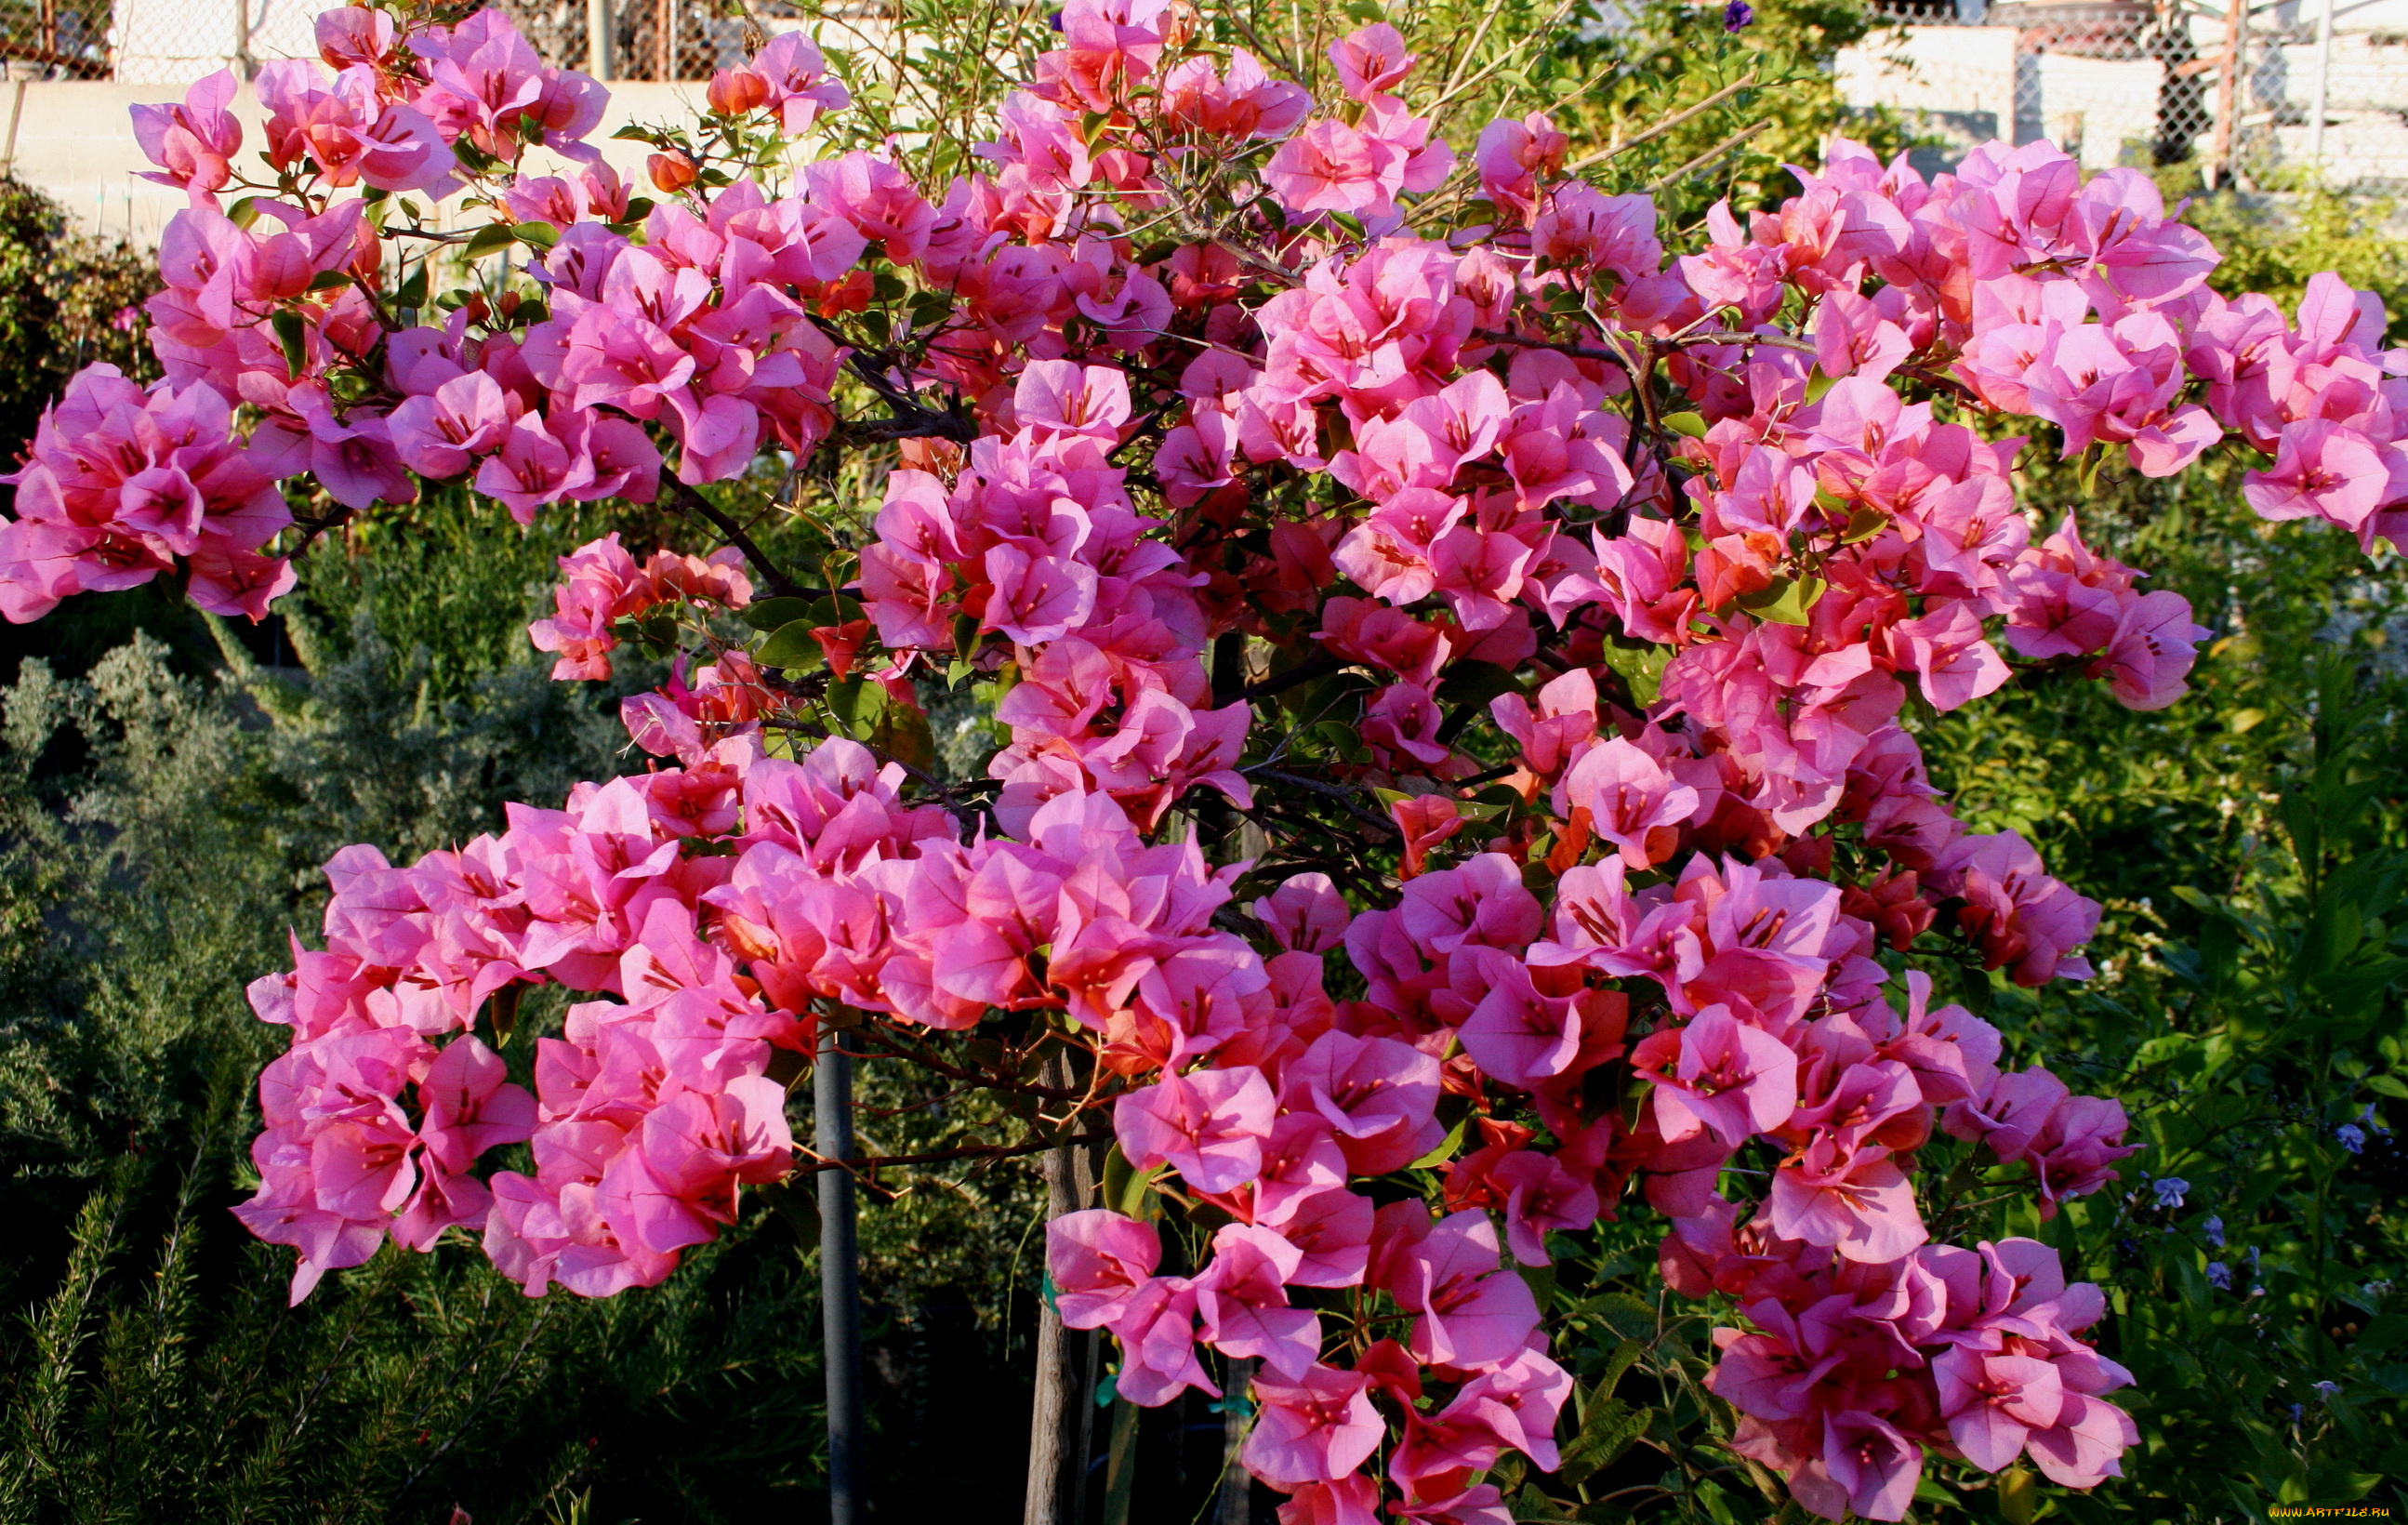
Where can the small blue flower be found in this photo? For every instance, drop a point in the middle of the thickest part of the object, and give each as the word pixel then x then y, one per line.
pixel 2326 1390
pixel 2170 1189
pixel 1737 15
pixel 2219 1275
pixel 2353 1138
pixel 2212 1230
pixel 2296 1412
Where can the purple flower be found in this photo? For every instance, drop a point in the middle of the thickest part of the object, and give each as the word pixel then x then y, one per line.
pixel 1737 15
pixel 2353 1138
pixel 2219 1275
pixel 2214 1230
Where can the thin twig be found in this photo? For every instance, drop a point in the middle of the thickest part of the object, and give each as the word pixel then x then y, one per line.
pixel 1343 794
pixel 1777 341
pixel 687 501
pixel 870 1164
pixel 1303 672
pixel 1702 159
pixel 1662 127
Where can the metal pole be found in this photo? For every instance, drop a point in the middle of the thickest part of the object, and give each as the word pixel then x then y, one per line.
pixel 597 38
pixel 242 64
pixel 2323 91
pixel 840 1284
pixel 2228 92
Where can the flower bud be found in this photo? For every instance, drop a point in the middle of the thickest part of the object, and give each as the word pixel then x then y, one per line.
pixel 735 92
pixel 670 172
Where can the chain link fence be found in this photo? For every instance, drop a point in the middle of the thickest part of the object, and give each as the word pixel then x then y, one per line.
pixel 178 41
pixel 649 39
pixel 63 40
pixel 2267 95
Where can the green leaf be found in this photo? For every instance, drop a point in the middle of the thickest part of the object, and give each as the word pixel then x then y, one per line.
pixel 1531 1504
pixel 1625 1314
pixel 770 614
pixel 1542 1282
pixel 798 1207
pixel 902 732
pixel 329 280
pixel 929 308
pixel 1863 524
pixel 541 235
pixel 1786 602
pixel 837 609
pixel 858 703
pixel 1472 684
pixel 489 239
pixel 2019 1495
pixel 1609 1429
pixel 792 645
pixel 1446 1148
pixel 1625 1356
pixel 1127 1189
pixel 1641 665
pixel 503 1007
pixel 2390 1086
pixel 244 212
pixel 1692 424
pixel 293 336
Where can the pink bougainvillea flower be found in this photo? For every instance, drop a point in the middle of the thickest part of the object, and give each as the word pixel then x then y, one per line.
pixel 1209 1126
pixel 1717 1073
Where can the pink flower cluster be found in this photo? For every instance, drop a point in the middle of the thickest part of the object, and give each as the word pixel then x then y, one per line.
pixel 1851 1371
pixel 704 330
pixel 604 586
pixel 124 483
pixel 1360 168
pixel 1680 512
pixel 1036 540
pixel 652 1106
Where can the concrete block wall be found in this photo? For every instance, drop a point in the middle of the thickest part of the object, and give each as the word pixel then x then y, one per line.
pixel 1972 83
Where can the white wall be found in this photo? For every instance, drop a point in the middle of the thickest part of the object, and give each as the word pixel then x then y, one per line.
pixel 178 41
pixel 74 140
pixel 1960 72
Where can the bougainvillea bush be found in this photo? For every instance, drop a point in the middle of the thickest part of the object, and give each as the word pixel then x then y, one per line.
pixel 1453 661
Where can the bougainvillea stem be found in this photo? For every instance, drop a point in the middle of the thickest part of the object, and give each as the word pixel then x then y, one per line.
pixel 1052 1402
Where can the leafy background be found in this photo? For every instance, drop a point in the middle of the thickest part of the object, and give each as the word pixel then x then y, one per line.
pixel 169 784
